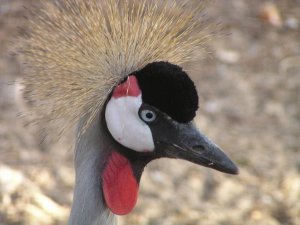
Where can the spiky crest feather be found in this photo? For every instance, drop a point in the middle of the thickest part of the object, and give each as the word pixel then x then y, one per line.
pixel 79 50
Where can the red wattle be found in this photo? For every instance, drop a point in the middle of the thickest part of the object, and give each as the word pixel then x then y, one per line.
pixel 129 88
pixel 120 187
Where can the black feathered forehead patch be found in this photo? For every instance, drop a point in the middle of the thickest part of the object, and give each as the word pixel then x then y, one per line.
pixel 168 88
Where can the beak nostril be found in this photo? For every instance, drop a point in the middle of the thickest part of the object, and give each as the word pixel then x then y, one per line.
pixel 199 148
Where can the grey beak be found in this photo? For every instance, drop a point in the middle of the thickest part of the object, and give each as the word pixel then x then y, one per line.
pixel 186 142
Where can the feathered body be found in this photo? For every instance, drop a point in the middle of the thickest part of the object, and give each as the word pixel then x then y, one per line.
pixel 77 50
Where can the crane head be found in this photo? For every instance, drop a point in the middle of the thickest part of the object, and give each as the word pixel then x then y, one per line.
pixel 150 115
pixel 77 51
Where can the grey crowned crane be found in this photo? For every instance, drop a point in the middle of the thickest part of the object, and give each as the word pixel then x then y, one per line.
pixel 113 69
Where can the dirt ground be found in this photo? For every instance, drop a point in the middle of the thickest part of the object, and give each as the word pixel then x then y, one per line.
pixel 249 91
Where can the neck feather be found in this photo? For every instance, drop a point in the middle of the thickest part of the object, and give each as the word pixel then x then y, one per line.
pixel 91 153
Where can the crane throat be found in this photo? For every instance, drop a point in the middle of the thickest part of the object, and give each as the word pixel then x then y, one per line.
pixel 120 186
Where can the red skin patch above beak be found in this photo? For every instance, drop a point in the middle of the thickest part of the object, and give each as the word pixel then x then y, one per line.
pixel 129 88
pixel 120 187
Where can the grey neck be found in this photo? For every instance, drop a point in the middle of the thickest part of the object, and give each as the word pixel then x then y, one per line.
pixel 91 152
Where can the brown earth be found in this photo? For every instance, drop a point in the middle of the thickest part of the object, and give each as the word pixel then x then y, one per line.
pixel 250 105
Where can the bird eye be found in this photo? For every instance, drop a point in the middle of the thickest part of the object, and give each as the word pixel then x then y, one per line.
pixel 148 115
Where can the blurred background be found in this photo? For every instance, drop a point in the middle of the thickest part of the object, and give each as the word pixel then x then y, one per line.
pixel 249 91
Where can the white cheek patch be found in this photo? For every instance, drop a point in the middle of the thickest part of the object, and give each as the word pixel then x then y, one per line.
pixel 125 125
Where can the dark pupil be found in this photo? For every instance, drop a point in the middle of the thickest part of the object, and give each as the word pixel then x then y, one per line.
pixel 149 115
